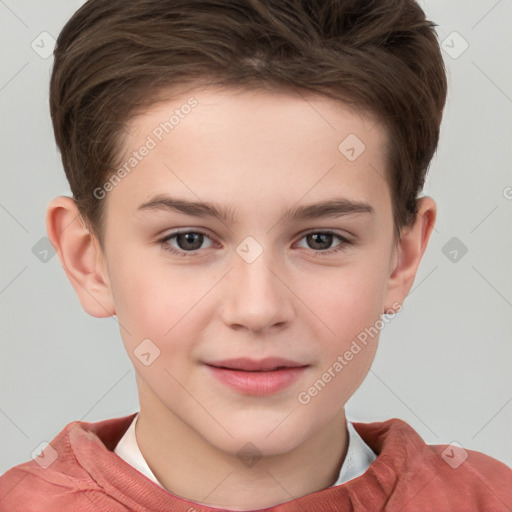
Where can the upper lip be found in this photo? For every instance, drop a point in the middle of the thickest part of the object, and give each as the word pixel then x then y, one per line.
pixel 247 364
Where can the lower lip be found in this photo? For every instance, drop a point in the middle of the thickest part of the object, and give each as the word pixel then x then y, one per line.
pixel 257 383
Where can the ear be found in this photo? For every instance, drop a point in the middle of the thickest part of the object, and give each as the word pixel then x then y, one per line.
pixel 80 255
pixel 409 251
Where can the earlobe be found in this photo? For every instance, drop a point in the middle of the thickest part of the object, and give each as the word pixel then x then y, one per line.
pixel 80 255
pixel 410 250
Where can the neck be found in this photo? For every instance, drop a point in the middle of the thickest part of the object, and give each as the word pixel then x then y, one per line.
pixel 190 467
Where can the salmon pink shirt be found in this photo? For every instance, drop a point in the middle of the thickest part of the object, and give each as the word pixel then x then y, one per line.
pixel 83 473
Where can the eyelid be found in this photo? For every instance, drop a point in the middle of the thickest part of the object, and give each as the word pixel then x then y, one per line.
pixel 166 247
pixel 344 241
pixel 301 235
pixel 344 235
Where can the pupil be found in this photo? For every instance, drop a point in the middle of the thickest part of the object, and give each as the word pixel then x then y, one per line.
pixel 195 239
pixel 325 239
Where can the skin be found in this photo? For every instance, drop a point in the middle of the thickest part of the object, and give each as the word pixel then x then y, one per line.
pixel 257 153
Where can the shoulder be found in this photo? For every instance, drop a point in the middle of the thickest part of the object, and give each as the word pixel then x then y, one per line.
pixel 58 479
pixel 449 475
pixel 39 484
pixel 473 473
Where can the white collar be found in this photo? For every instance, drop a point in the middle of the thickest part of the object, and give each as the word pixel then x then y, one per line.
pixel 358 459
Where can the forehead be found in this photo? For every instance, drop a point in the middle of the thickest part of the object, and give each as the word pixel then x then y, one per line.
pixel 252 147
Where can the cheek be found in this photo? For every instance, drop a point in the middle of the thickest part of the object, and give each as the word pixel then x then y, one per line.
pixel 347 349
pixel 348 302
pixel 345 300
pixel 158 302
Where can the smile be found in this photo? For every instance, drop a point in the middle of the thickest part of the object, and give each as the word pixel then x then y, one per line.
pixel 257 378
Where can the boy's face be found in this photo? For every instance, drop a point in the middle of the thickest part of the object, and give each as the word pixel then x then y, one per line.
pixel 259 283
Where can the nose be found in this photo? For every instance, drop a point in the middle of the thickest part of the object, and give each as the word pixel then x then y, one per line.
pixel 257 296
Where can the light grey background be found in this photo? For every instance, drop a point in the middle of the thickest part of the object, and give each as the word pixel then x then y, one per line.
pixel 443 365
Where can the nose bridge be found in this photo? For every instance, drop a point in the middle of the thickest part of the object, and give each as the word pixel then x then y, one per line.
pixel 256 298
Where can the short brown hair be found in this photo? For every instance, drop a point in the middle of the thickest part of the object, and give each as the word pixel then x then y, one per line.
pixel 113 56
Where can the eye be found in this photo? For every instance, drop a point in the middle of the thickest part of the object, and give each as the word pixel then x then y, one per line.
pixel 321 241
pixel 189 243
pixel 184 243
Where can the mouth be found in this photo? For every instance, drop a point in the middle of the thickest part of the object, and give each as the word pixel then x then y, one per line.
pixel 257 378
pixel 269 364
pixel 254 371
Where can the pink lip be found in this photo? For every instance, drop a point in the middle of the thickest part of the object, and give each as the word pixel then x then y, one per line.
pixel 257 378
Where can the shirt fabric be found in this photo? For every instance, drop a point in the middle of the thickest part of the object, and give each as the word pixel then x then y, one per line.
pixel 79 471
pixel 357 460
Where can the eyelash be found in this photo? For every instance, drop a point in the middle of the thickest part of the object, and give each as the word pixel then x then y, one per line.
pixel 166 247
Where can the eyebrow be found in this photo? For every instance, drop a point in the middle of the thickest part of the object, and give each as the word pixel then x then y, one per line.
pixel 336 207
